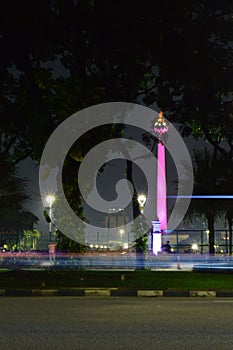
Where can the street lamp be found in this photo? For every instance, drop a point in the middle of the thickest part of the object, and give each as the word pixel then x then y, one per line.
pixel 140 241
pixel 50 200
pixel 141 202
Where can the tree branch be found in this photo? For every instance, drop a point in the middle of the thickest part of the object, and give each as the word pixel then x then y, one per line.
pixel 145 91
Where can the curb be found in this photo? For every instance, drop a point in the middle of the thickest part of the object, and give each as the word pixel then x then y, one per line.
pixel 116 292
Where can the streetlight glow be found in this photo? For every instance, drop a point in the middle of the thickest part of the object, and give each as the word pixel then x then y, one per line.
pixel 194 246
pixel 50 200
pixel 141 201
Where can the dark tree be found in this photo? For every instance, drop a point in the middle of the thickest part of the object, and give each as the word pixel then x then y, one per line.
pixel 60 56
pixel 14 214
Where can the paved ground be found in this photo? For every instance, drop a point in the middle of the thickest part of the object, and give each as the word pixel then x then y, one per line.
pixel 115 323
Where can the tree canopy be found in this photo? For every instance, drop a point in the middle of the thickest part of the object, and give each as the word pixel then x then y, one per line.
pixel 59 56
pixel 14 198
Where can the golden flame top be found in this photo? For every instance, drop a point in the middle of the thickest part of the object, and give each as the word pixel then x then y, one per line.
pixel 160 117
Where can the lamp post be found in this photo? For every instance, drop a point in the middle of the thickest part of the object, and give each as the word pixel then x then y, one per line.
pixel 50 200
pixel 141 202
pixel 141 242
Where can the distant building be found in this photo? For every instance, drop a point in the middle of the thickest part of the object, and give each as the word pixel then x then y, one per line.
pixel 117 219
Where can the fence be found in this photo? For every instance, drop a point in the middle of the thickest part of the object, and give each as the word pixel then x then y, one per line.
pixel 9 238
pixel 13 239
pixel 182 241
pixel 187 241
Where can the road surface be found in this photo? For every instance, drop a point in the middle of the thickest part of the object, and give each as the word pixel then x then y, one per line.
pixel 123 323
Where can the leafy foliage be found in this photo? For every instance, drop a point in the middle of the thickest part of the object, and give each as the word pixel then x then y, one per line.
pixel 62 56
pixel 59 56
pixel 29 239
pixel 212 175
pixel 68 245
pixel 13 199
pixel 141 243
pixel 140 229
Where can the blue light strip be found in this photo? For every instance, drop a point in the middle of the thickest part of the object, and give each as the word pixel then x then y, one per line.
pixel 204 197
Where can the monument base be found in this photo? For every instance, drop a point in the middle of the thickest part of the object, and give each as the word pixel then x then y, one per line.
pixel 156 239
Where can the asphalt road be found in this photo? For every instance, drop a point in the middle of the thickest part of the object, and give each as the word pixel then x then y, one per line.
pixel 123 323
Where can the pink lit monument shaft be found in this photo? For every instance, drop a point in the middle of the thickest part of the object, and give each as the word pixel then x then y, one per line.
pixel 161 187
pixel 160 129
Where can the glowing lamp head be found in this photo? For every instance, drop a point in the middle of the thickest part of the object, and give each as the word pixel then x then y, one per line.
pixel 50 200
pixel 141 200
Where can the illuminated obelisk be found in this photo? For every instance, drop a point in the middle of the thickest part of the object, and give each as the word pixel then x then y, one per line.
pixel 161 129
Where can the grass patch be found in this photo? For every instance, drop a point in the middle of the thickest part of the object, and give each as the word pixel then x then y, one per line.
pixel 133 279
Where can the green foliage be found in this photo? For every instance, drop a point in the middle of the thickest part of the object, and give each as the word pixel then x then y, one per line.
pixel 55 69
pixel 141 243
pixel 13 199
pixel 66 244
pixel 140 229
pixel 29 239
pixel 177 55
